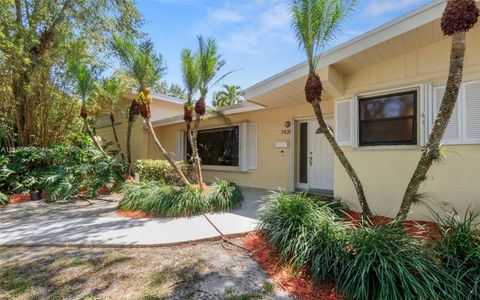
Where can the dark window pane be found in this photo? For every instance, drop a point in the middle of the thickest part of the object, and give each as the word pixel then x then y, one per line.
pixel 393 131
pixel 401 105
pixel 389 119
pixel 218 147
pixel 303 155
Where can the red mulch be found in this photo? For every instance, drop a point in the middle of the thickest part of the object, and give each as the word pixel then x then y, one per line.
pixel 298 285
pixel 135 214
pixel 19 198
pixel 421 229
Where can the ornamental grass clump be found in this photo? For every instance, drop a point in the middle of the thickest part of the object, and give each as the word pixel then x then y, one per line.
pixel 304 232
pixel 157 198
pixel 458 247
pixel 385 263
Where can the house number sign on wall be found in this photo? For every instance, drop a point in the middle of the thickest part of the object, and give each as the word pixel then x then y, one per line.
pixel 285 132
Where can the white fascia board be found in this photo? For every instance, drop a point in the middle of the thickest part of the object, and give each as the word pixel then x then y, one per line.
pixel 159 97
pixel 227 110
pixel 398 26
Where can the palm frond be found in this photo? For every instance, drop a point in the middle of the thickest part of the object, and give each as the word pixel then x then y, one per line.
pixel 190 73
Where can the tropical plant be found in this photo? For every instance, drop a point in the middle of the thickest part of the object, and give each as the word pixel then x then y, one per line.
pixel 315 23
pixel 458 18
pixel 162 199
pixel 230 95
pixel 85 77
pixel 385 263
pixel 36 38
pixel 108 93
pixel 304 232
pixel 458 246
pixel 4 199
pixel 142 63
pixel 209 63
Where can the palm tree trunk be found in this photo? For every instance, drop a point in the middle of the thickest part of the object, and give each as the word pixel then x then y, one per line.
pixel 196 157
pixel 446 108
pixel 90 133
pixel 366 212
pixel 167 155
pixel 117 142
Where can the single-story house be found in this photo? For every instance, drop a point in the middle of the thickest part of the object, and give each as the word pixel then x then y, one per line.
pixel 382 93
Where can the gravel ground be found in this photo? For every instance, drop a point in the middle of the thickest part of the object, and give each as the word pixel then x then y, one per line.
pixel 212 270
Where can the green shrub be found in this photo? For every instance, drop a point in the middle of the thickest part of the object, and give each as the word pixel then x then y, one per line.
pixel 160 170
pixel 385 263
pixel 458 247
pixel 225 195
pixel 61 171
pixel 303 231
pixel 166 200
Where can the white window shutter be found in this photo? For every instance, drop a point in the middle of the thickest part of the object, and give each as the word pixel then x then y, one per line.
pixel 242 145
pixel 180 153
pixel 343 122
pixel 453 132
pixel 252 144
pixel 471 112
pixel 426 95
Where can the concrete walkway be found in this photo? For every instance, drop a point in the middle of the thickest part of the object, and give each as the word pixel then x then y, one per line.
pixel 117 232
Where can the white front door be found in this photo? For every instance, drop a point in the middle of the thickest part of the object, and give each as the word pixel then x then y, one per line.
pixel 320 158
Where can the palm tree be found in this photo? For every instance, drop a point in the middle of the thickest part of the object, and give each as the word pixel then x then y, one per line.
pixel 125 49
pixel 108 93
pixel 142 63
pixel 459 17
pixel 229 96
pixel 209 63
pixel 190 77
pixel 84 75
pixel 315 23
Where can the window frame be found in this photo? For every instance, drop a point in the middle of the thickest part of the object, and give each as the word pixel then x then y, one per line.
pixel 412 142
pixel 219 167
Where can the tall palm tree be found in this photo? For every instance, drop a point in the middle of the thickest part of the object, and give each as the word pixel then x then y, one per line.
pixel 125 48
pixel 229 96
pixel 142 63
pixel 315 23
pixel 108 93
pixel 209 63
pixel 459 17
pixel 84 76
pixel 190 77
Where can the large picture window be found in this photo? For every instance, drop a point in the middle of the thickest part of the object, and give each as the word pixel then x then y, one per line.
pixel 388 119
pixel 218 147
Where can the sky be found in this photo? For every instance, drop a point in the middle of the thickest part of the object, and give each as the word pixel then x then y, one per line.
pixel 253 36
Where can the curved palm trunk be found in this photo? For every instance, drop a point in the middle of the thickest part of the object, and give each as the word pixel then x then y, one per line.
pixel 196 157
pixel 132 117
pixel 366 212
pixel 446 108
pixel 167 155
pixel 90 133
pixel 117 141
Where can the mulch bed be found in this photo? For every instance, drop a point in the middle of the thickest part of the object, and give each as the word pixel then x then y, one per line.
pixel 135 214
pixel 19 198
pixel 299 284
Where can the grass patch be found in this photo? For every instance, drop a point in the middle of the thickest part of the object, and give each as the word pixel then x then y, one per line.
pixel 166 200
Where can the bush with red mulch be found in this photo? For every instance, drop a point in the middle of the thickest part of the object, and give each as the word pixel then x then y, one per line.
pixel 19 198
pixel 299 284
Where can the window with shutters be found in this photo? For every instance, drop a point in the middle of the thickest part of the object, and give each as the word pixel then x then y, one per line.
pixel 388 119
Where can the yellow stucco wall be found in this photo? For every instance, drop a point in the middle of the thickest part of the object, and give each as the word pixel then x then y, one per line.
pixel 385 171
pixel 273 169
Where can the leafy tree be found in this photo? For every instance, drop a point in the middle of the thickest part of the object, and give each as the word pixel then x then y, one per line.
pixel 315 23
pixel 229 96
pixel 108 93
pixel 172 90
pixel 458 18
pixel 85 77
pixel 36 38
pixel 142 63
